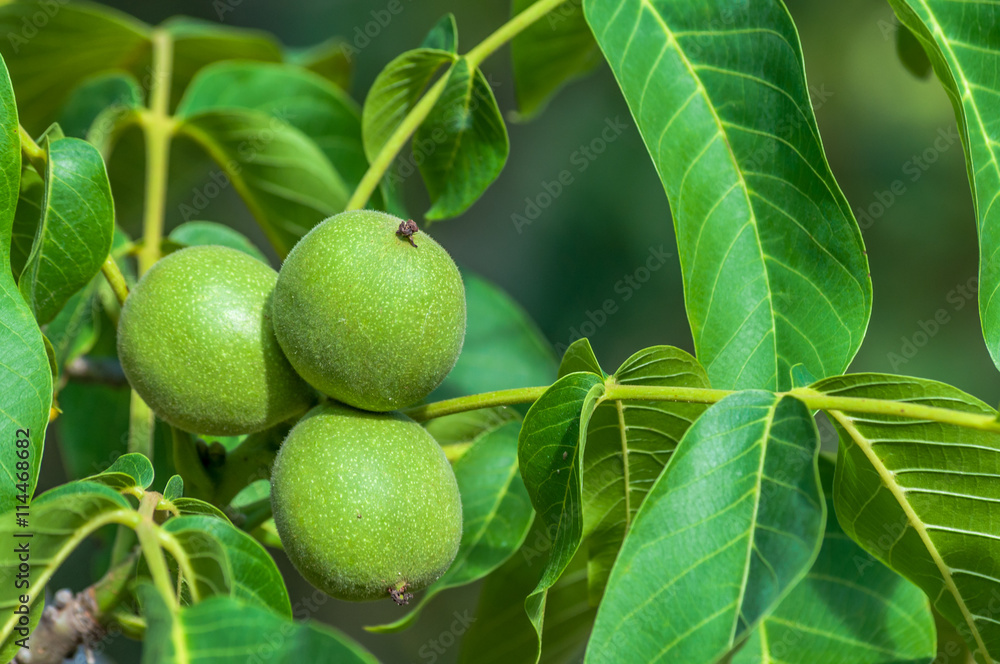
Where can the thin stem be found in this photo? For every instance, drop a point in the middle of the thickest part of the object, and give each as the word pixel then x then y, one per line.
pixel 383 160
pixel 115 279
pixel 509 30
pixel 32 151
pixel 149 542
pixel 811 398
pixel 475 402
pixel 158 128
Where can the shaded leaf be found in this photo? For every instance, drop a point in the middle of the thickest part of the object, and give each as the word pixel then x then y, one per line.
pixel 921 496
pixel 195 233
pixel 703 572
pixel 58 521
pixel 463 142
pixel 129 471
pixel 284 179
pixel 774 268
pixel 911 53
pixel 470 426
pixel 174 488
pixel 849 608
pixel 26 216
pixel 550 455
pixel 395 92
pixel 503 347
pixel 443 36
pixel 628 445
pixel 76 228
pixel 195 507
pixel 502 632
pixel 330 59
pixel 24 372
pixel 580 357
pixel 92 430
pixel 550 53
pixel 224 630
pixel 92 97
pixel 496 515
pixel 250 572
pixel 199 43
pixel 74 42
pixel 300 98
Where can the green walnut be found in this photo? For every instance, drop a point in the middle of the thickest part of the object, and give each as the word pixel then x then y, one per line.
pixel 196 342
pixel 366 504
pixel 369 311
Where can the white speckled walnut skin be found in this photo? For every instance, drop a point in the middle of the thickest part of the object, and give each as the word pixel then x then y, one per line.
pixel 364 502
pixel 365 317
pixel 196 342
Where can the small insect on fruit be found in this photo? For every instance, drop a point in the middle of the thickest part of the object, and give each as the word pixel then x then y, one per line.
pixel 407 229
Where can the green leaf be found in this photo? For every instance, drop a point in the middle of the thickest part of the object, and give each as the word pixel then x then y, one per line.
pixel 24 371
pixel 443 36
pixel 502 633
pixel 195 233
pixel 195 507
pixel 26 216
pixel 75 329
pixel 92 430
pixel 224 630
pixel 285 180
pixel 199 43
pixel 580 357
pixel 304 100
pixel 961 40
pixel 58 521
pixel 920 496
pixel 251 573
pixel 463 142
pixel 51 48
pixel 174 488
pixel 468 427
pixel 911 53
pixel 330 59
pixel 773 262
pixel 550 53
pixel 550 454
pixel 10 647
pixel 94 96
pixel 395 92
pixel 849 608
pixel 503 347
pixel 129 471
pixel 695 575
pixel 496 515
pixel 628 445
pixel 75 231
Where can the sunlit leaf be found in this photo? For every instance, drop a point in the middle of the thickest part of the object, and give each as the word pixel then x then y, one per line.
pixel 74 234
pixel 849 608
pixel 921 497
pixel 127 472
pixel 195 233
pixel 24 372
pixel 734 522
pixel 774 268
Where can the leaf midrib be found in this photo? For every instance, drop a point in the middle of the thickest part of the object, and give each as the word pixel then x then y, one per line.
pixel 915 522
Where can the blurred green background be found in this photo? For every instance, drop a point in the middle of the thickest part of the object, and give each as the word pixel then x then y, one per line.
pixel 880 126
